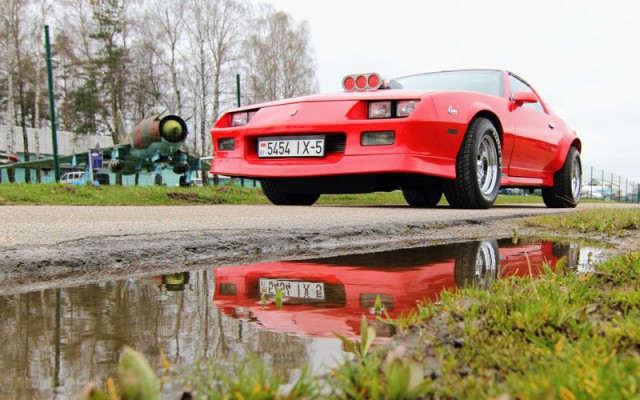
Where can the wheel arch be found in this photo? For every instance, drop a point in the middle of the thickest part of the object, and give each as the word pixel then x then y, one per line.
pixel 563 152
pixel 491 116
pixel 577 144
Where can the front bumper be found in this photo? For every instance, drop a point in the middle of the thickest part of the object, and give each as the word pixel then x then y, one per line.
pixel 345 165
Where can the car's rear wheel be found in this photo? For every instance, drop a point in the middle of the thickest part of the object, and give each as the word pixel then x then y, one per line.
pixel 565 192
pixel 278 197
pixel 423 198
pixel 478 168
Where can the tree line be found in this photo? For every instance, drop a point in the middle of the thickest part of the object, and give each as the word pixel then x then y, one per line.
pixel 144 57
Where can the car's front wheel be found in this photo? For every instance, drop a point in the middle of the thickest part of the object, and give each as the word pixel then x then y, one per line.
pixel 565 192
pixel 478 168
pixel 278 197
pixel 477 264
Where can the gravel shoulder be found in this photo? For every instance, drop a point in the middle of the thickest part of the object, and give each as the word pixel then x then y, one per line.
pixel 56 246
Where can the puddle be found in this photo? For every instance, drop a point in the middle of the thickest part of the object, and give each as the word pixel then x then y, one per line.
pixel 63 338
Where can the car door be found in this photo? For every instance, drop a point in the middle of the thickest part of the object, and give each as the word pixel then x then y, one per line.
pixel 536 139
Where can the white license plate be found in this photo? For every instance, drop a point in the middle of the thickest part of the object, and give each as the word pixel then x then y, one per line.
pixel 295 289
pixel 291 146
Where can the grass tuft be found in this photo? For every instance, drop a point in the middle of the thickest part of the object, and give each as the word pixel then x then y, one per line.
pixel 607 221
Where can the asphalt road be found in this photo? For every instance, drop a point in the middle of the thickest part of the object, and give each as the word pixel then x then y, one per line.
pixel 46 225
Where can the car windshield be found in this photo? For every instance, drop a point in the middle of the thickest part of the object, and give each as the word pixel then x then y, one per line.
pixel 482 81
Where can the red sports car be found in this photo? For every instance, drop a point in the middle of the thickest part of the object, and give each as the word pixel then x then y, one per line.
pixel 462 133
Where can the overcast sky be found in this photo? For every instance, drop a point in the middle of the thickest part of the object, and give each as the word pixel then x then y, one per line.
pixel 583 57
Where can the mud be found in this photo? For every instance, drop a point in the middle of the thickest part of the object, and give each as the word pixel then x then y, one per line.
pixel 103 258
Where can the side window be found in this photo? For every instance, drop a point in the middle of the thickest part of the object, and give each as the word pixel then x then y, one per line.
pixel 517 85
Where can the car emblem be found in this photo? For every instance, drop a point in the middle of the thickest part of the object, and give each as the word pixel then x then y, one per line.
pixel 293 114
pixel 452 110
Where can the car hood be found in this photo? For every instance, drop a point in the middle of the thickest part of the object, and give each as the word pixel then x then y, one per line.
pixel 373 95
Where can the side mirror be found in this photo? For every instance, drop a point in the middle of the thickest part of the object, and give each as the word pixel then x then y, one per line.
pixel 524 97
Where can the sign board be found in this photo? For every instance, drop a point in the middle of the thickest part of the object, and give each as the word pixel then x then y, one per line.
pixel 96 158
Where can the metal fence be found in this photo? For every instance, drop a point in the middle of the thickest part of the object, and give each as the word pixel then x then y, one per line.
pixel 603 185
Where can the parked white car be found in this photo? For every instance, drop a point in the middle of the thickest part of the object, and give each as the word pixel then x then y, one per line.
pixel 80 178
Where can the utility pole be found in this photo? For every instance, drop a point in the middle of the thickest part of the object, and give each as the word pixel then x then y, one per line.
pixel 238 89
pixel 238 99
pixel 52 105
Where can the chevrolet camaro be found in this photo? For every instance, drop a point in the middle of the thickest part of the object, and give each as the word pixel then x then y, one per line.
pixel 465 134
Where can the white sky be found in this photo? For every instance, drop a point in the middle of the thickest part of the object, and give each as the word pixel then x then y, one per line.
pixel 583 57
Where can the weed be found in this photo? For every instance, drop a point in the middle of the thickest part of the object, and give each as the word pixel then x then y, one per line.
pixel 248 379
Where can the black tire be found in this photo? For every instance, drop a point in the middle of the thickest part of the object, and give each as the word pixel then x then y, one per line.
pixel 567 181
pixel 425 198
pixel 116 165
pixel 475 187
pixel 477 264
pixel 279 198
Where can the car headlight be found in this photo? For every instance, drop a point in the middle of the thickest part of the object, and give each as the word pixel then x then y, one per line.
pixel 228 289
pixel 242 118
pixel 380 109
pixel 391 108
pixel 405 108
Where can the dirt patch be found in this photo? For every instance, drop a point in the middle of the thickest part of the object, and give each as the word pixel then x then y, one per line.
pixel 187 196
pixel 69 189
pixel 223 189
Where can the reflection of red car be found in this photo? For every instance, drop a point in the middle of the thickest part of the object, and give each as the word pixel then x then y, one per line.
pixel 464 133
pixel 330 295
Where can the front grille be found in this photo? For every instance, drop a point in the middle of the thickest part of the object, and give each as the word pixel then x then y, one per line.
pixel 335 143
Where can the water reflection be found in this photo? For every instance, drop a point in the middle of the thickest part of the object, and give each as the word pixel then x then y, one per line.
pixel 329 295
pixel 58 340
pixel 63 338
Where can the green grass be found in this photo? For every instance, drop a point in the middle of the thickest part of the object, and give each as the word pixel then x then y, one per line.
pixel 609 221
pixel 59 194
pixel 563 335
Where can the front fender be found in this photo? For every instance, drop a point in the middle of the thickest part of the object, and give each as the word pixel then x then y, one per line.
pixel 568 141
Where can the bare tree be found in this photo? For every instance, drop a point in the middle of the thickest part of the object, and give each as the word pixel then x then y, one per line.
pixel 13 12
pixel 227 25
pixel 199 63
pixel 278 60
pixel 110 19
pixel 163 33
pixel 216 38
pixel 39 58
